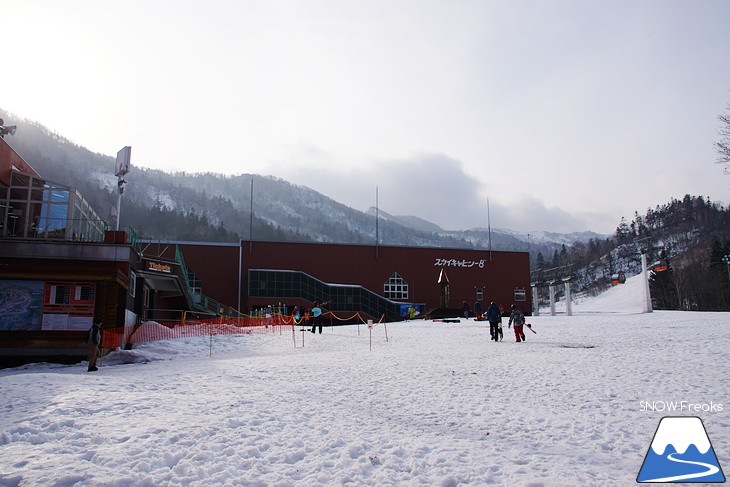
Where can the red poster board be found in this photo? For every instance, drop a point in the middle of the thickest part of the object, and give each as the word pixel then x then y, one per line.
pixel 68 306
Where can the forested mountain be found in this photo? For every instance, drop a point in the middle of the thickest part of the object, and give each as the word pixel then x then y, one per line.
pixel 217 208
pixel 693 232
pixel 691 235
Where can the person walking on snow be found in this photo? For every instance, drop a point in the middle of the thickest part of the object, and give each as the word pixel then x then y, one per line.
pixel 316 320
pixel 518 318
pixel 465 308
pixel 93 341
pixel 494 316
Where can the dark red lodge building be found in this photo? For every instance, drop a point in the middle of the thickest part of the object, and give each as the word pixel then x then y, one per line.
pixel 372 280
pixel 61 269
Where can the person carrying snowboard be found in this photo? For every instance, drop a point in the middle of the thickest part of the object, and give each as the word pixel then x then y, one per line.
pixel 316 318
pixel 518 318
pixel 494 316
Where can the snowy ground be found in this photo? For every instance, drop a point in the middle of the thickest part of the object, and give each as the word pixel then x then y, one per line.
pixel 438 404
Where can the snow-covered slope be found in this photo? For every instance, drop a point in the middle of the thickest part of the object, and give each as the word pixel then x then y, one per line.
pixel 436 404
pixel 620 298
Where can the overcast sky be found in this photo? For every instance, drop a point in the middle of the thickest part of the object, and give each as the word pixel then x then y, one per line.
pixel 564 115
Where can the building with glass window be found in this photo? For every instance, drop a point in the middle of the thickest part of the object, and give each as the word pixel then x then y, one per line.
pixel 378 281
pixel 61 269
pixel 34 207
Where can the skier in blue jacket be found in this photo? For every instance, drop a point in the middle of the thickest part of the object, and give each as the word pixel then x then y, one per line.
pixel 316 317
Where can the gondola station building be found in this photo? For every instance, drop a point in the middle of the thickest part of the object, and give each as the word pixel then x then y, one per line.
pixel 62 268
pixel 381 282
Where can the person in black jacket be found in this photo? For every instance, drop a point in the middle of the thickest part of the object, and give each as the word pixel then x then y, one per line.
pixel 494 317
pixel 93 341
pixel 465 309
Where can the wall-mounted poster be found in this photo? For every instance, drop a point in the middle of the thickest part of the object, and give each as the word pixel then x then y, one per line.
pixel 21 305
pixel 68 306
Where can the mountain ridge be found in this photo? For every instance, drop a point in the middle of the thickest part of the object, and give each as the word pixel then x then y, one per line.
pixel 210 207
pixel 217 206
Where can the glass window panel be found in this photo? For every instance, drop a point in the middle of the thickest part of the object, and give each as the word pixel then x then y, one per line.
pixel 19 193
pixel 37 191
pixel 19 179
pixel 395 287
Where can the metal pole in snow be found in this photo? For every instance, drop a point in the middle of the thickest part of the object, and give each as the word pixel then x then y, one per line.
pixel 647 291
pixel 568 303
pixel 370 327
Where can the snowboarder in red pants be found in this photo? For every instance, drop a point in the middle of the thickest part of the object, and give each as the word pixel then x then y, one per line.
pixel 518 318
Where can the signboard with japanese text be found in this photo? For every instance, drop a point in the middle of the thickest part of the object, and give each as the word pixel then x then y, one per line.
pixel 68 306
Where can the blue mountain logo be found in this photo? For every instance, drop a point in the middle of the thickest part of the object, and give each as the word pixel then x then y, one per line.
pixel 681 452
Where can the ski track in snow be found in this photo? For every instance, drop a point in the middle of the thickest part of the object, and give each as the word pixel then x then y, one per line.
pixel 439 404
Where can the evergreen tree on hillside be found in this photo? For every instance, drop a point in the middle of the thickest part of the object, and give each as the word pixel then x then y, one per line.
pixel 723 145
pixel 623 231
pixel 719 275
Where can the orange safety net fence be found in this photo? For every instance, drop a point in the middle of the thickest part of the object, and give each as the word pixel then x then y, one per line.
pixel 152 331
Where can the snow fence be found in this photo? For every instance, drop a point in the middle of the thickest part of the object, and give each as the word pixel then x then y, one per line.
pixel 151 331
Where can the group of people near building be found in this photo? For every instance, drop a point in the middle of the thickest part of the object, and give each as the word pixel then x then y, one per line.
pixel 494 316
pixel 313 317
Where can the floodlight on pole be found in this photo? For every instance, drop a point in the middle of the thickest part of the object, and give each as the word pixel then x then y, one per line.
pixel 124 158
pixel 6 129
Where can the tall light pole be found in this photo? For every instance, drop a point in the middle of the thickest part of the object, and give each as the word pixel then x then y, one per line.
pixel 377 218
pixel 124 157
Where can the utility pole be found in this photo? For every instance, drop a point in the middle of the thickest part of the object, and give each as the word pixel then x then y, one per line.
pixel 489 231
pixel 377 218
